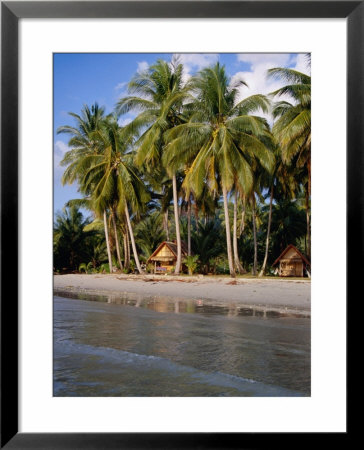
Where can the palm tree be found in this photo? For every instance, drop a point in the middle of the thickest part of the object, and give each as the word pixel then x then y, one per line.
pixel 117 245
pixel 288 224
pixel 254 221
pixel 268 181
pixel 99 250
pixel 264 265
pixel 149 233
pixel 282 183
pixel 81 142
pixel 70 238
pixel 234 207
pixel 165 201
pixel 83 149
pixel 112 177
pixel 293 125
pixel 159 96
pixel 207 242
pixel 292 128
pixel 223 138
pixel 237 262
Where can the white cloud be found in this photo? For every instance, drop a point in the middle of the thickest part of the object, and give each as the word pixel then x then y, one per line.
pixel 196 61
pixel 60 148
pixel 142 66
pixel 301 63
pixel 120 85
pixel 121 91
pixel 193 62
pixel 256 76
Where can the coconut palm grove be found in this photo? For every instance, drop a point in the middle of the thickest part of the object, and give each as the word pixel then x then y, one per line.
pixel 190 157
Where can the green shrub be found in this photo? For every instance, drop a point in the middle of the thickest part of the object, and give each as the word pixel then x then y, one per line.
pixel 150 268
pixel 105 268
pixel 191 263
pixel 82 267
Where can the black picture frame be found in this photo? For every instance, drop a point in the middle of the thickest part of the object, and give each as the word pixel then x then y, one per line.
pixel 11 12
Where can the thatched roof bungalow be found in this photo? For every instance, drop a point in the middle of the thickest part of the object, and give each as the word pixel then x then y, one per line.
pixel 292 263
pixel 164 257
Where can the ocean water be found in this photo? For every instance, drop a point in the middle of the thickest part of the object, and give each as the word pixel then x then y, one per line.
pixel 132 346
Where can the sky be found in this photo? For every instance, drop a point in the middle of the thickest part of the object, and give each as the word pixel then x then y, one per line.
pixel 85 78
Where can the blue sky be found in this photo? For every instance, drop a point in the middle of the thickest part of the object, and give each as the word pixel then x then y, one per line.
pixel 81 79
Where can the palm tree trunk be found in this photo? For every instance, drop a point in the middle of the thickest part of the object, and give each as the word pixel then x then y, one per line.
pixel 268 234
pixel 132 240
pixel 126 249
pixel 107 242
pixel 255 237
pixel 178 234
pixel 165 224
pixel 116 240
pixel 238 266
pixel 189 226
pixel 242 223
pixel 196 214
pixel 228 237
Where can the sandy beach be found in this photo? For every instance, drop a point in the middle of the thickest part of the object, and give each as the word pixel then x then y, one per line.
pixel 283 295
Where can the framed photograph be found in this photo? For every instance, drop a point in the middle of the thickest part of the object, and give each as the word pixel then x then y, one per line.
pixel 49 49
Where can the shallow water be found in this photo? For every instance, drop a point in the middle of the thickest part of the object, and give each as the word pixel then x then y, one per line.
pixel 129 346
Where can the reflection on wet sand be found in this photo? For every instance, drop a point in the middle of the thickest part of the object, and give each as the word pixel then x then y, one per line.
pixel 166 304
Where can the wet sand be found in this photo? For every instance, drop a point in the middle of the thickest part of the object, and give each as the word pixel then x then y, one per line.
pixel 278 294
pixel 104 349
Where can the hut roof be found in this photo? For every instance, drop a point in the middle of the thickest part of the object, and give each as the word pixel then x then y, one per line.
pixel 290 246
pixel 172 247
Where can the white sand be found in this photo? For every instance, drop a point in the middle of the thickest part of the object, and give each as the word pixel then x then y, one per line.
pixel 276 294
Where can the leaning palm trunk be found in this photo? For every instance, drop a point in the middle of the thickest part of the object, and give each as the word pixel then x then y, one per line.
pixel 189 226
pixel 116 240
pixel 132 240
pixel 126 249
pixel 255 237
pixel 107 242
pixel 228 237
pixel 242 223
pixel 261 273
pixel 178 234
pixel 237 263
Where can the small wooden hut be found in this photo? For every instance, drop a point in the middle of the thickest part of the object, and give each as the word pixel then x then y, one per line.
pixel 292 263
pixel 164 257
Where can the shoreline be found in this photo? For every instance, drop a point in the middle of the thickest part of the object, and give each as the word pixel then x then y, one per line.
pixel 277 295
